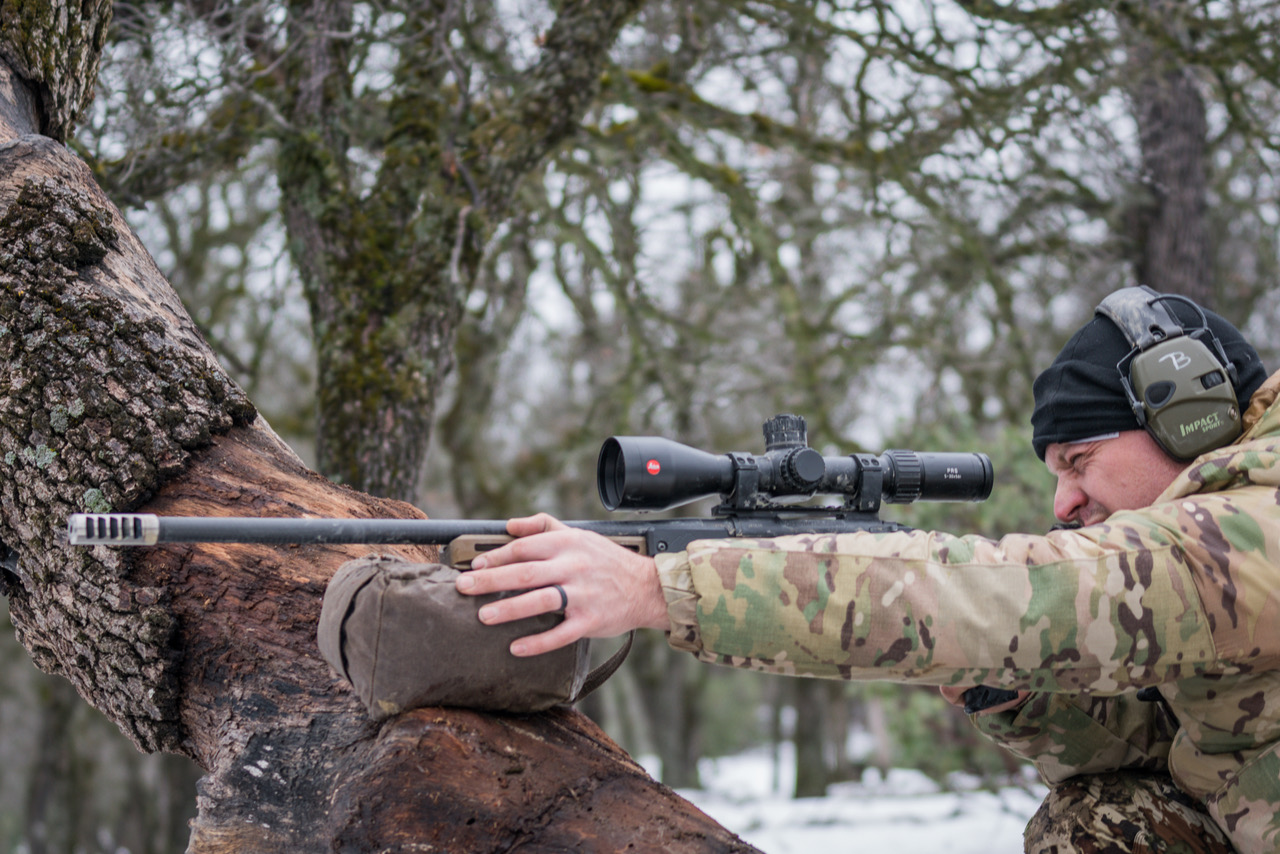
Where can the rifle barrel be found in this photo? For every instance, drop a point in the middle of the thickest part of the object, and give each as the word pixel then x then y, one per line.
pixel 659 535
pixel 145 529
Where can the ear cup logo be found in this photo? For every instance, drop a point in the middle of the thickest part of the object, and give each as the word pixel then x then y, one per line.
pixel 1207 424
pixel 1178 360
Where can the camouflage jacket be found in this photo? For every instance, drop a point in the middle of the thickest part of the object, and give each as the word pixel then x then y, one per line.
pixel 1183 595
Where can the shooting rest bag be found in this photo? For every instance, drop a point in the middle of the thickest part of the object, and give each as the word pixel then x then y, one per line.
pixel 404 637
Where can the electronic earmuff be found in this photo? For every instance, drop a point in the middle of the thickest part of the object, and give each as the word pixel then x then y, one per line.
pixel 1179 381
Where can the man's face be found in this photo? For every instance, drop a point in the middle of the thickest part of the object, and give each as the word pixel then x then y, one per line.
pixel 1096 479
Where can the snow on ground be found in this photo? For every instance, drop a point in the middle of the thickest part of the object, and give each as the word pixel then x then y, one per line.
pixel 901 812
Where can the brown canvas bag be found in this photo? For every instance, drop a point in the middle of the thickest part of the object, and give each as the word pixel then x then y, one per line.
pixel 403 636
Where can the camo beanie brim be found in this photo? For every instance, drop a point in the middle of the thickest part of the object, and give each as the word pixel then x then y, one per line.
pixel 1080 395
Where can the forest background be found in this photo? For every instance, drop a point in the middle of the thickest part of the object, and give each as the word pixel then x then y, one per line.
pixel 885 217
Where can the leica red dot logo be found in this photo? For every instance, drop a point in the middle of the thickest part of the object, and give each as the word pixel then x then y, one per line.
pixel 653 467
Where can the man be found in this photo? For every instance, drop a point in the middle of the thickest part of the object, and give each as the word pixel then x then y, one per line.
pixel 1144 645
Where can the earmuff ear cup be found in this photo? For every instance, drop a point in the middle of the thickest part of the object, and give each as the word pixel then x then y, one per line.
pixel 1179 381
pixel 1187 397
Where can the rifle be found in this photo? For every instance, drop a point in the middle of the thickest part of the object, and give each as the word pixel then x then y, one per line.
pixel 759 495
pixel 759 498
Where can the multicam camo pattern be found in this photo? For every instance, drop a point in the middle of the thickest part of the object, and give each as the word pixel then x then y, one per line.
pixel 1183 595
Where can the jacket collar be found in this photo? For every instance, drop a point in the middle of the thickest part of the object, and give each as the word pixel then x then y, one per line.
pixel 1250 458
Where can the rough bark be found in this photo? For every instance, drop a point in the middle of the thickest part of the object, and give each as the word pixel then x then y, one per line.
pixel 56 46
pixel 1173 246
pixel 109 399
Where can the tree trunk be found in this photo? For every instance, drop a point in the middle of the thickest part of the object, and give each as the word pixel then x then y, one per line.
pixel 387 269
pixel 57 778
pixel 813 766
pixel 110 400
pixel 1173 251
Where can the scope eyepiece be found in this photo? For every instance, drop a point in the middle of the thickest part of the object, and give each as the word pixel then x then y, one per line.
pixel 917 476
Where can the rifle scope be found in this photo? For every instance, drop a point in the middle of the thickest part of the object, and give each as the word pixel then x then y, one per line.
pixel 654 473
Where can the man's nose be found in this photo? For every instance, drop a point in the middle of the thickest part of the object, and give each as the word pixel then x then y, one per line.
pixel 1068 500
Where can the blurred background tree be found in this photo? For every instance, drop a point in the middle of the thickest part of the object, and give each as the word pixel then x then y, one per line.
pixel 446 272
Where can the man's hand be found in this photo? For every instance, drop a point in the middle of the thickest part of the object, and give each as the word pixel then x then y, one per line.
pixel 608 590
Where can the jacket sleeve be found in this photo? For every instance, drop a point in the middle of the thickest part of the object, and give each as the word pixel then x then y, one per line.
pixel 1069 734
pixel 1098 611
pixel 1078 621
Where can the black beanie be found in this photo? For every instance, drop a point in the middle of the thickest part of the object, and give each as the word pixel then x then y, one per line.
pixel 1080 395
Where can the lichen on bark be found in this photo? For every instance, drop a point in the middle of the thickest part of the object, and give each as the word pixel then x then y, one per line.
pixel 99 405
pixel 56 47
